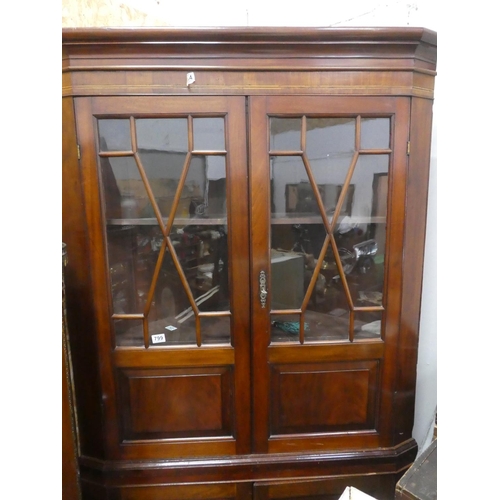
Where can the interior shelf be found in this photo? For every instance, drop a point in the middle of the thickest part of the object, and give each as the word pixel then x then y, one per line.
pixel 181 221
pixel 316 219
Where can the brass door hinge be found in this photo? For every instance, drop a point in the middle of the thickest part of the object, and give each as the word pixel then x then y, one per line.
pixel 408 148
pixel 78 151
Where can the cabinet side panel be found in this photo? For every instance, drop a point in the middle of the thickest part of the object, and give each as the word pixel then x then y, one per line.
pixel 70 484
pixel 416 213
pixel 80 316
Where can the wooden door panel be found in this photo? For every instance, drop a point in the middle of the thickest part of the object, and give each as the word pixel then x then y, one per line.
pixel 318 397
pixel 168 385
pixel 176 403
pixel 322 360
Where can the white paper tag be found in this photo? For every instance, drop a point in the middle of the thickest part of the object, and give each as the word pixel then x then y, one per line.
pixel 190 79
pixel 171 328
pixel 351 493
pixel 156 339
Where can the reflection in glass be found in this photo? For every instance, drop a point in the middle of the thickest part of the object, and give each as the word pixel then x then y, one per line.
pixel 368 324
pixel 327 260
pixel 209 134
pixel 162 134
pixel 124 191
pixel 285 134
pixel 204 191
pixel 361 235
pixel 132 255
pixel 114 134
pixel 331 139
pixel 173 274
pixel 285 327
pixel 292 193
pixel 162 149
pixel 375 133
pixel 129 332
pixel 288 279
pixel 201 252
pixel 215 330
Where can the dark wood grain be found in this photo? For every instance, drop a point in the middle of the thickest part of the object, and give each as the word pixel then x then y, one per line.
pixel 378 487
pixel 79 303
pixel 251 468
pixel 70 471
pixel 326 397
pixel 411 291
pixel 187 402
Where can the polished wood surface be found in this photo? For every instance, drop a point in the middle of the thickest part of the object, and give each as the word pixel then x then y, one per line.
pixel 415 221
pixel 321 489
pixel 79 301
pixel 252 468
pixel 250 417
pixel 246 61
pixel 70 469
pixel 323 397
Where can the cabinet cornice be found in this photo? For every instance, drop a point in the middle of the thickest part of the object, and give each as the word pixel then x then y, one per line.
pixel 249 61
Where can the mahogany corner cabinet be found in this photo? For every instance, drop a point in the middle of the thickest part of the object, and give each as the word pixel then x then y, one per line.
pixel 244 213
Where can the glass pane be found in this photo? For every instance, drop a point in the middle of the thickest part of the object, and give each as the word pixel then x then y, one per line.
pixel 291 192
pixel 297 233
pixel 162 148
pixel 201 252
pixel 330 148
pixel 132 256
pixel 124 191
pixel 114 134
pixel 133 252
pixel 308 273
pixel 215 330
pixel 129 332
pixel 162 134
pixel 375 133
pixel 285 328
pixel 331 140
pixel 215 189
pixel 209 134
pixel 362 235
pixel 285 134
pixel 145 277
pixel 367 325
pixel 170 299
pixel 288 277
pixel 204 192
pixel 332 326
pixel 193 200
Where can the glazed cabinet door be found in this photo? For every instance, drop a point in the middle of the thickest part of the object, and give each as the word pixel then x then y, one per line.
pixel 165 185
pixel 327 178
